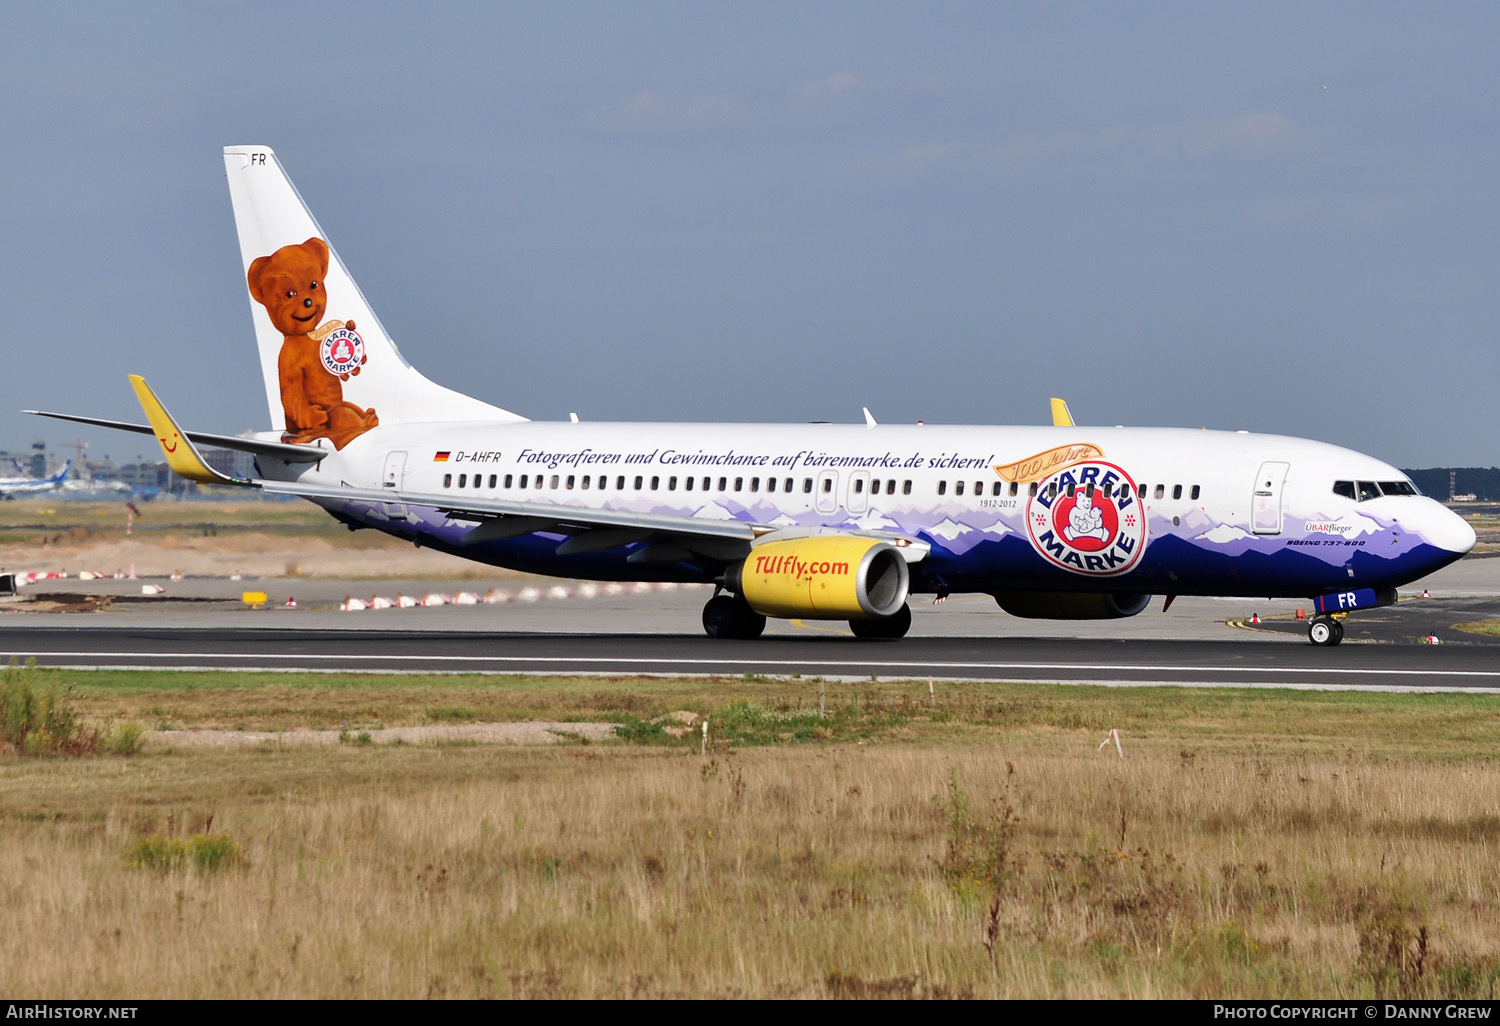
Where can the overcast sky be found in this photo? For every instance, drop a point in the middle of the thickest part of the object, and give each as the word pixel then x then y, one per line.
pixel 1273 217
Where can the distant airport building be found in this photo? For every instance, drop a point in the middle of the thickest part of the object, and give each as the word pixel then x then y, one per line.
pixel 230 462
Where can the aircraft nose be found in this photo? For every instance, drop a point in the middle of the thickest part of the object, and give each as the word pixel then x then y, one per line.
pixel 1447 530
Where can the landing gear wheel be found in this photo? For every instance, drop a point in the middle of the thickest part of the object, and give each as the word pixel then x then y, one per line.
pixel 1323 631
pixel 725 617
pixel 894 626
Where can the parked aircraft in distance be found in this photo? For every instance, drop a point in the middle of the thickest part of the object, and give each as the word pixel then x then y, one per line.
pixel 816 521
pixel 10 487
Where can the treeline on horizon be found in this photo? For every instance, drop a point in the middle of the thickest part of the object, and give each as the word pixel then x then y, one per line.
pixel 1483 482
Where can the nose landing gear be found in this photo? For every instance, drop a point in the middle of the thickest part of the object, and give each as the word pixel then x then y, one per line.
pixel 1325 630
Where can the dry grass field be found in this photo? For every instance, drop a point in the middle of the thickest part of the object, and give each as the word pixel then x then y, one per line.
pixel 1248 844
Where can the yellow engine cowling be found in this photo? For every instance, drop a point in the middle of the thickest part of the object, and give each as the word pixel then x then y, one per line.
pixel 1070 605
pixel 829 577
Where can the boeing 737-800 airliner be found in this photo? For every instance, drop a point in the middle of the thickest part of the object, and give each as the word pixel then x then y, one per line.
pixel 817 521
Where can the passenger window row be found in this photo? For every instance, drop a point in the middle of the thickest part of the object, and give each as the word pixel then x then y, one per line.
pixel 569 482
pixel 1112 491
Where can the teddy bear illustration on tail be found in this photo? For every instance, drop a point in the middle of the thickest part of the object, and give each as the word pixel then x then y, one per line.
pixel 314 359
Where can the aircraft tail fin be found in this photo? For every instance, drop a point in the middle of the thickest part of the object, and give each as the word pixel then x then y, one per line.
pixel 330 369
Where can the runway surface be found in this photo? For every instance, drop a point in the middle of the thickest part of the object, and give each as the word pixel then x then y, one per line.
pixel 1080 660
pixel 201 623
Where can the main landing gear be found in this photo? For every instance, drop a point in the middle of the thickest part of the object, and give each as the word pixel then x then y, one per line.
pixel 729 616
pixel 1325 630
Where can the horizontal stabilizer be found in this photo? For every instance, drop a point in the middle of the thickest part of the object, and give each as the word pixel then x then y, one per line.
pixel 254 446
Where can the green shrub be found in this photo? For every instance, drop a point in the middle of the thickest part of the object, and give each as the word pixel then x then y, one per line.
pixel 127 739
pixel 41 721
pixel 207 853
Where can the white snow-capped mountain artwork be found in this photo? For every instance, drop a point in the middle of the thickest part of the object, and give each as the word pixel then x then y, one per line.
pixel 1223 534
pixel 947 529
pixel 874 520
pixel 713 511
pixel 1352 525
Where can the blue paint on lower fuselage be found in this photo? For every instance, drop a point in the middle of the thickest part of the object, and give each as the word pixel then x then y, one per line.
pixel 1177 566
pixel 1172 565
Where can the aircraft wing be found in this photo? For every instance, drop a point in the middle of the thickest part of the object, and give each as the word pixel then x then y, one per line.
pixel 592 529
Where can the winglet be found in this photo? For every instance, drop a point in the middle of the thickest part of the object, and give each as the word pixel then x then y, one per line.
pixel 1060 415
pixel 182 455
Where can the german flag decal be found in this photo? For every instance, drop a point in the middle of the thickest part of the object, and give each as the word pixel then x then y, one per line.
pixel 440 457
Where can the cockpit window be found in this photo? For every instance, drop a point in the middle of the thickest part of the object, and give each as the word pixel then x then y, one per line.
pixel 1399 488
pixel 1368 490
pixel 1344 488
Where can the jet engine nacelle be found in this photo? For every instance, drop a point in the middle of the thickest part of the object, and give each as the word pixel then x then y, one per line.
pixel 1069 605
pixel 829 577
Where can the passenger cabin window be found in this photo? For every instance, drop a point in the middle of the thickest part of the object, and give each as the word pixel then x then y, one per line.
pixel 1140 491
pixel 770 484
pixel 827 485
pixel 672 484
pixel 787 485
pixel 1031 491
pixel 722 482
pixel 554 481
pixel 859 486
pixel 739 484
pixel 508 479
pixel 996 487
pixel 463 480
pixel 478 480
pixel 447 480
pixel 1015 488
pixel 620 483
pixel 958 488
pixel 570 482
pixel 755 484
pixel 687 484
pixel 1177 491
pixel 942 487
pixel 1196 491
pixel 1161 491
pixel 807 486
pixel 655 482
pixel 638 481
pixel 905 487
